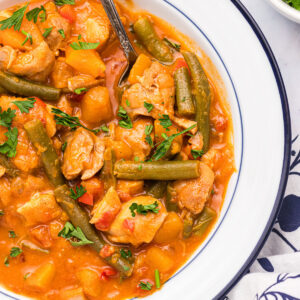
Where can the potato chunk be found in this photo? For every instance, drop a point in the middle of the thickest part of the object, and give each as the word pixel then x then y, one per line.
pixel 90 282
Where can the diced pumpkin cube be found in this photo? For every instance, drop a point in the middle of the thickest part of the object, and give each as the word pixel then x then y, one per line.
pixel 90 282
pixel 122 150
pixel 42 277
pixel 72 294
pixel 159 259
pixel 142 63
pixel 170 229
pixel 13 38
pixel 129 187
pixel 96 106
pixel 86 62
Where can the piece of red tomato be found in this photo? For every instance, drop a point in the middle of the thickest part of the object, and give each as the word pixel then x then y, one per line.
pixel 107 272
pixel 86 198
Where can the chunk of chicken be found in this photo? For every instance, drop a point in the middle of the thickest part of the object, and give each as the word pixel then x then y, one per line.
pixel 135 137
pixel 156 87
pixel 56 22
pixel 61 73
pixel 84 155
pixel 139 229
pixel 26 158
pixel 105 211
pixel 82 81
pixel 193 194
pixel 42 208
pixel 35 64
pixel 5 195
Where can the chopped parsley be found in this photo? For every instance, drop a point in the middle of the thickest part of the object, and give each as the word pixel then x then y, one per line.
pixel 127 102
pixel 165 122
pixel 136 159
pixel 6 116
pixel 146 286
pixel 148 138
pixel 84 45
pixel 64 146
pixel 62 118
pixel 34 14
pixel 12 234
pixel 140 167
pixel 28 37
pixel 63 2
pixel 125 121
pixel 9 146
pixel 26 275
pixel 15 20
pixel 15 251
pixel 197 153
pixel 148 106
pixel 24 106
pixel 6 261
pixel 143 209
pixel 176 46
pixel 47 31
pixel 74 235
pixel 80 91
pixel 62 33
pixel 104 128
pixel 157 278
pixel 78 192
pixel 164 146
pixel 125 253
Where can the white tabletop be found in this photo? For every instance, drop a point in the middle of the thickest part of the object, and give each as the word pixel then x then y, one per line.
pixel 284 37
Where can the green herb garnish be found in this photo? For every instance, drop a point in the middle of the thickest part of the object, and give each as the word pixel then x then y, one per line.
pixel 2 212
pixel 9 146
pixel 63 2
pixel 197 153
pixel 165 122
pixel 84 45
pixel 104 128
pixel 62 33
pixel 80 91
pixel 34 13
pixel 47 31
pixel 176 46
pixel 157 279
pixel 125 121
pixel 15 20
pixel 6 261
pixel 143 209
pixel 126 253
pixel 148 106
pixel 24 106
pixel 64 146
pixel 146 286
pixel 12 234
pixel 78 192
pixel 15 251
pixel 6 116
pixel 74 235
pixel 28 37
pixel 26 275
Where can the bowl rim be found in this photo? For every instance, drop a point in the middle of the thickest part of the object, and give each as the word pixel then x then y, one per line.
pixel 286 10
pixel 287 147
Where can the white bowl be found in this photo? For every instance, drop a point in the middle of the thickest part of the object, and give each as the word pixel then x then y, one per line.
pixel 256 94
pixel 286 10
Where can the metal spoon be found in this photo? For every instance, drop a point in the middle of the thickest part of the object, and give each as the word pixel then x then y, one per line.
pixel 119 29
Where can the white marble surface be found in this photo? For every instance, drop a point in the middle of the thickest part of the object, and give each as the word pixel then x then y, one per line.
pixel 284 37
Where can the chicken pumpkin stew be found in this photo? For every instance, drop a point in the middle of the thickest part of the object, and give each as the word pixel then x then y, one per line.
pixel 106 190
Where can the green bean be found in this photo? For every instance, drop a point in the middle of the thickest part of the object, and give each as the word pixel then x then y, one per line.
pixel 184 97
pixel 2 91
pixel 170 204
pixel 157 189
pixel 39 138
pixel 157 170
pixel 149 38
pixel 206 217
pixel 107 173
pixel 79 218
pixel 188 223
pixel 24 87
pixel 202 97
pixel 10 168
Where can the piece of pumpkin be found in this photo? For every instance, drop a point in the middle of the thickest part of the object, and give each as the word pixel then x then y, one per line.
pixel 142 63
pixel 90 282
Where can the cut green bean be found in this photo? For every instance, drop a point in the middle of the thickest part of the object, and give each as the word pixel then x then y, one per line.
pixel 184 97
pixel 157 170
pixel 79 218
pixel 202 96
pixel 149 38
pixel 157 189
pixel 39 138
pixel 107 173
pixel 170 204
pixel 3 91
pixel 188 223
pixel 24 87
pixel 10 168
pixel 206 217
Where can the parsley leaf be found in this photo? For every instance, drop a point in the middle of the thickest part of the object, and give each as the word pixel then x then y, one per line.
pixel 63 2
pixel 6 116
pixel 9 146
pixel 148 138
pixel 127 103
pixel 62 33
pixel 146 286
pixel 84 45
pixel 126 253
pixel 104 128
pixel 148 129
pixel 6 261
pixel 176 46
pixel 28 37
pixel 164 146
pixel 15 20
pixel 24 106
pixel 148 106
pixel 197 153
pixel 34 13
pixel 78 192
pixel 143 209
pixel 15 251
pixel 64 146
pixel 165 122
pixel 12 234
pixel 74 235
pixel 26 275
pixel 61 118
pixel 80 91
pixel 125 122
pixel 47 31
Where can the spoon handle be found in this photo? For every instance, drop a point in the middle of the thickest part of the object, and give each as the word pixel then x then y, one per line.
pixel 116 23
